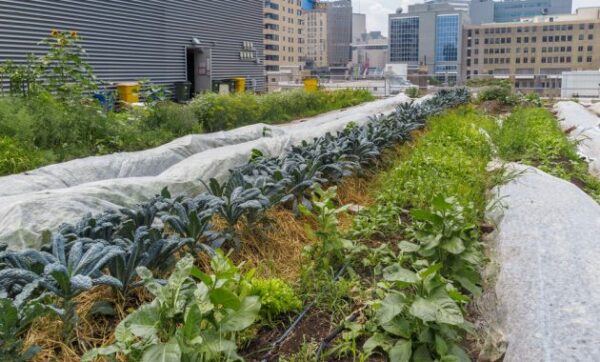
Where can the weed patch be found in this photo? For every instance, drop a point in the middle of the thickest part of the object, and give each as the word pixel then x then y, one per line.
pixel 532 136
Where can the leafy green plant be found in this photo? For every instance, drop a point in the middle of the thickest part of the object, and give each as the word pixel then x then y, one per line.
pixel 329 251
pixel 148 249
pixel 191 218
pixel 276 297
pixel 61 274
pixel 15 318
pixel 187 320
pixel 232 202
pixel 419 316
pixel 444 236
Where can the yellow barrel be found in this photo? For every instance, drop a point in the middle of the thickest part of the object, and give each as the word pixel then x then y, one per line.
pixel 311 85
pixel 129 92
pixel 240 85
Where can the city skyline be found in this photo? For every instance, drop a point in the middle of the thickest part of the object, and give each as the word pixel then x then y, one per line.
pixel 377 11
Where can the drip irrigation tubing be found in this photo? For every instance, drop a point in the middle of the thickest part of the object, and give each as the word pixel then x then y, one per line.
pixel 297 321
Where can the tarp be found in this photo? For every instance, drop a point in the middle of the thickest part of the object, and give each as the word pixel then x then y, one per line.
pixel 547 249
pixel 583 128
pixel 26 213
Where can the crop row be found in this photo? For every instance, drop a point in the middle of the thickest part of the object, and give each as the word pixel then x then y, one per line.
pixel 110 249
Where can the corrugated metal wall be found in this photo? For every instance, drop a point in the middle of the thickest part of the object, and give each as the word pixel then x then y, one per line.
pixel 134 39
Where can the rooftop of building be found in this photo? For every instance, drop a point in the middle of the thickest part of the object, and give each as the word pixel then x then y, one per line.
pixel 581 14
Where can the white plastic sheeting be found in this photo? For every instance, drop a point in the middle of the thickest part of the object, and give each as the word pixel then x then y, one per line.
pixel 583 128
pixel 595 108
pixel 547 287
pixel 96 184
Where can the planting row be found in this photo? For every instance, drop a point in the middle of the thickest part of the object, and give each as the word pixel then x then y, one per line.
pixel 122 249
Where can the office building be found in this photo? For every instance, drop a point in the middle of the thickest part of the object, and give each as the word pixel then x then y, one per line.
pixel 359 26
pixel 315 21
pixel 284 41
pixel 203 41
pixel 488 11
pixel 339 34
pixel 534 52
pixel 428 37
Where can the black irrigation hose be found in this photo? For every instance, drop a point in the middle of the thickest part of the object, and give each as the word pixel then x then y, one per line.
pixel 333 335
pixel 297 321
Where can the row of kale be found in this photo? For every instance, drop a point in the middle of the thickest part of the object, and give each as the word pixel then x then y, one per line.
pixel 108 249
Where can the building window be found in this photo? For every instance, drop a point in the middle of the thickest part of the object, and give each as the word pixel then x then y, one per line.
pixel 589 48
pixel 404 39
pixel 589 59
pixel 590 36
pixel 446 32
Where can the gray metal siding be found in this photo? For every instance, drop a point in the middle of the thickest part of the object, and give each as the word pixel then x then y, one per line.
pixel 135 39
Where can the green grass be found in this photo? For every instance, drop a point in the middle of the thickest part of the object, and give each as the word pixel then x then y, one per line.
pixel 532 136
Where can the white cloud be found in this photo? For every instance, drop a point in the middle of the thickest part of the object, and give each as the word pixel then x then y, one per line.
pixel 378 10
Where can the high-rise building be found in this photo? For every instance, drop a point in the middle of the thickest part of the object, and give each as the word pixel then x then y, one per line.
pixel 498 11
pixel 339 33
pixel 534 52
pixel 359 26
pixel 428 37
pixel 284 41
pixel 315 25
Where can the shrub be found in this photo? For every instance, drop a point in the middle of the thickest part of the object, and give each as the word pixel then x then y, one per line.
pixel 219 112
pixel 15 158
pixel 412 92
pixel 502 93
pixel 175 118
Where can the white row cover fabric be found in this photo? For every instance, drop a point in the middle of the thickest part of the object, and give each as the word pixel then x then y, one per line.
pixel 124 164
pixel 54 199
pixel 583 127
pixel 595 108
pixel 547 286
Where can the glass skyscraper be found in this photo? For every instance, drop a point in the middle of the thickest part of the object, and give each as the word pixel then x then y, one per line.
pixel 446 38
pixel 404 44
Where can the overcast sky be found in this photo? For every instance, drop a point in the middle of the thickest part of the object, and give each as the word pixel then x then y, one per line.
pixel 377 10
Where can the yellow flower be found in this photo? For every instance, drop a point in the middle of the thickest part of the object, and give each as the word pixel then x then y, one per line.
pixel 74 34
pixel 54 33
